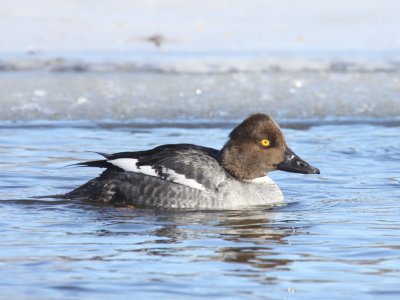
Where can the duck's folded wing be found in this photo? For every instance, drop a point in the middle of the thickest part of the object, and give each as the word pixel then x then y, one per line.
pixel 189 165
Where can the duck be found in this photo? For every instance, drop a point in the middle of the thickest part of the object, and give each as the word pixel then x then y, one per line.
pixel 188 176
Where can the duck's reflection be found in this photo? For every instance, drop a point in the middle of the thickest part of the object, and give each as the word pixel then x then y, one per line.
pixel 253 237
pixel 251 241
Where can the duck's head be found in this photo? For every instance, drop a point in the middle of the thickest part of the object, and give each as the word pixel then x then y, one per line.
pixel 257 146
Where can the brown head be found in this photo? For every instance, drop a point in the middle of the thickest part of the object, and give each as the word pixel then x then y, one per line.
pixel 257 146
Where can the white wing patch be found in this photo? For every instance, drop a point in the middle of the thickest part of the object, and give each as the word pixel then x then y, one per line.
pixel 129 165
pixel 181 179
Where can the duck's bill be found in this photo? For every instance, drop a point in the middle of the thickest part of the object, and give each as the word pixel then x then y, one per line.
pixel 293 163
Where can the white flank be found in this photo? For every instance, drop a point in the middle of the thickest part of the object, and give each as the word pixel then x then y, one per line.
pixel 129 165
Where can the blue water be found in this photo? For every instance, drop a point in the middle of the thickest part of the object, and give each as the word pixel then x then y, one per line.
pixel 337 236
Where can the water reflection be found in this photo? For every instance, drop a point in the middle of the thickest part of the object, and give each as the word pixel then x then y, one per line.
pixel 251 238
pixel 256 237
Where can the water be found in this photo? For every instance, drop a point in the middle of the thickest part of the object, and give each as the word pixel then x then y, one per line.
pixel 78 76
pixel 336 237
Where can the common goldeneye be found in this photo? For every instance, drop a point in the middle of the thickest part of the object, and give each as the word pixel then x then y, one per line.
pixel 196 177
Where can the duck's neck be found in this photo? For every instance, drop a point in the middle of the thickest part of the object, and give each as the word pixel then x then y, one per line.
pixel 239 163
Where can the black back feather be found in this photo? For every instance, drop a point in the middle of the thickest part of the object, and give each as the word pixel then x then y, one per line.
pixel 147 157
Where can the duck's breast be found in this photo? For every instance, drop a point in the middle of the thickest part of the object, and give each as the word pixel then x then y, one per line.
pixel 260 191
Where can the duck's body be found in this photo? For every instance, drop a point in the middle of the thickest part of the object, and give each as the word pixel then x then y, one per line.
pixel 175 176
pixel 195 177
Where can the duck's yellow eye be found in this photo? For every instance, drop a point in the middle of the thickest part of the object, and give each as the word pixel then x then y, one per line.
pixel 265 142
